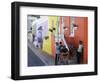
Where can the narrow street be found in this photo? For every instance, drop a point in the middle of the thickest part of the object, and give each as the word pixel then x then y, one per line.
pixel 33 60
pixel 37 57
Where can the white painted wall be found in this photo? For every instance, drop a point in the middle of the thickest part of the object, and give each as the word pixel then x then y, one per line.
pixel 5 40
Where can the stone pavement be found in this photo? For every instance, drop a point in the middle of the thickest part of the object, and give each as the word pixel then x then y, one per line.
pixel 44 57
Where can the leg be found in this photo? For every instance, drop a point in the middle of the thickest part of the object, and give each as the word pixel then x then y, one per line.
pixel 56 60
pixel 78 57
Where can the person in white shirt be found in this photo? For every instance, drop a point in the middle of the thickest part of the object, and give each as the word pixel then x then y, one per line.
pixel 79 51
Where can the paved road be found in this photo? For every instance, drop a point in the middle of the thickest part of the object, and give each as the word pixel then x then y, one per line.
pixel 34 60
pixel 37 57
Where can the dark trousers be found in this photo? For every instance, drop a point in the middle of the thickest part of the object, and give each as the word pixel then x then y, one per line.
pixel 78 57
pixel 56 59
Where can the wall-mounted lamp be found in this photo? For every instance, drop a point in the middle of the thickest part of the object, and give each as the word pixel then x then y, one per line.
pixel 54 28
pixel 50 30
pixel 46 37
pixel 65 28
pixel 75 26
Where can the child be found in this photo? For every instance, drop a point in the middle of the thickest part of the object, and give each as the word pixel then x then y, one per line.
pixel 79 51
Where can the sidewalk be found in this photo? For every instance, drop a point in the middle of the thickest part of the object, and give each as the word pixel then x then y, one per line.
pixel 43 56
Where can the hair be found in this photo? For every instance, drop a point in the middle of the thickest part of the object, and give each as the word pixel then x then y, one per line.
pixel 64 49
pixel 56 43
pixel 80 42
pixel 60 42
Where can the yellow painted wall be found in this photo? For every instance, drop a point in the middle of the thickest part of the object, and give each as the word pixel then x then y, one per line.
pixel 48 45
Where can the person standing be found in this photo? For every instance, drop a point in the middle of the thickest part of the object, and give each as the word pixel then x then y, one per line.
pixel 79 52
pixel 40 37
pixel 62 49
pixel 57 53
pixel 61 46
